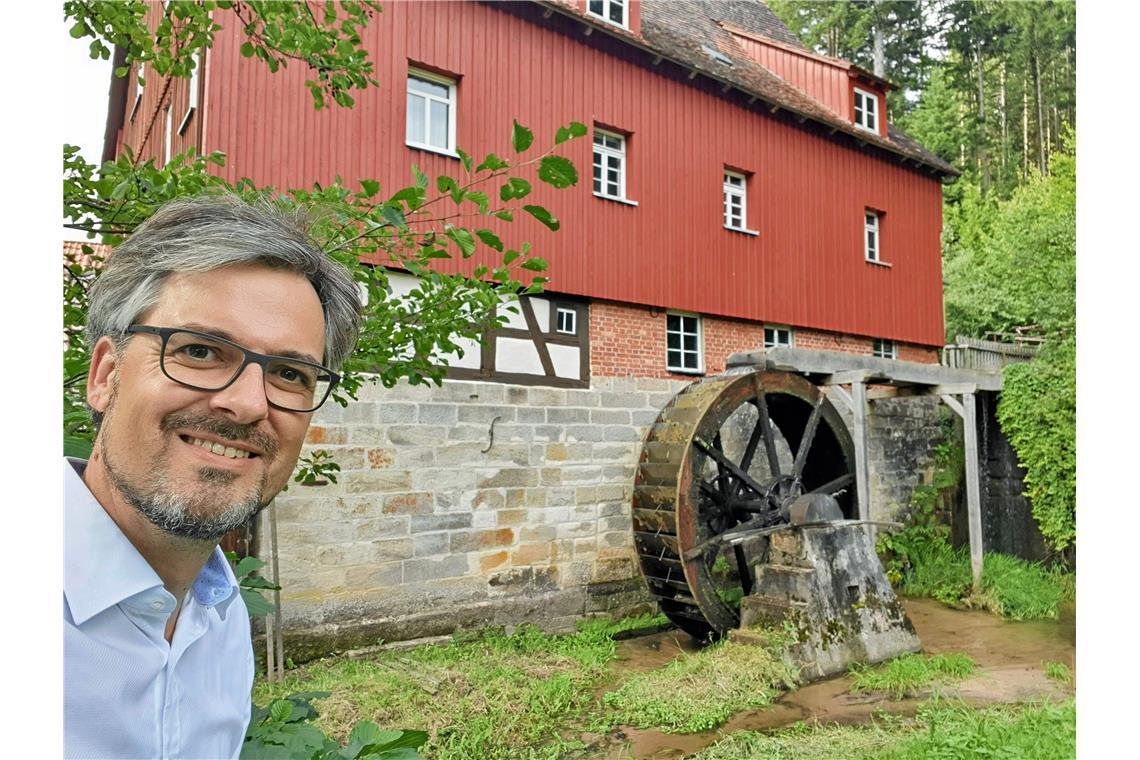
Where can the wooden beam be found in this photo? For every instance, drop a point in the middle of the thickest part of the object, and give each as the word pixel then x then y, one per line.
pixel 693 73
pixel 844 396
pixel 752 99
pixel 952 402
pixel 658 59
pixel 973 487
pixel 537 336
pixel 954 389
pixel 587 29
pixel 862 472
pixel 847 377
pixel 548 13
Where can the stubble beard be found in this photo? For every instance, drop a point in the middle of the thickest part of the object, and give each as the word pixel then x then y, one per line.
pixel 198 511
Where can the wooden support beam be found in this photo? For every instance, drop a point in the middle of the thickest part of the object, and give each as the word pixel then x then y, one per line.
pixel 693 73
pixel 954 389
pixel 952 402
pixel 862 472
pixel 752 99
pixel 587 29
pixel 548 13
pixel 657 59
pixel 848 376
pixel 973 487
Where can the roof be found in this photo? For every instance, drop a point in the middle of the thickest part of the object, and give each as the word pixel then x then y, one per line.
pixel 73 253
pixel 696 34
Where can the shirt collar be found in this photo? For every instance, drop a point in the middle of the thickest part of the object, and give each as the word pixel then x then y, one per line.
pixel 102 567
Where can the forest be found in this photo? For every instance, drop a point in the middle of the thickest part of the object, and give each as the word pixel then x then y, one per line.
pixel 990 86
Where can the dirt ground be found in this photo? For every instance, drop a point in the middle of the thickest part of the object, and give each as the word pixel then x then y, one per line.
pixel 1010 659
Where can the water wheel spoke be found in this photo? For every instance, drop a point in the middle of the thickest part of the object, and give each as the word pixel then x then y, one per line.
pixel 765 424
pixel 808 437
pixel 717 455
pixel 743 570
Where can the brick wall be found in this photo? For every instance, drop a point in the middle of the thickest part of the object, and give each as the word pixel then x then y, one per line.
pixel 629 341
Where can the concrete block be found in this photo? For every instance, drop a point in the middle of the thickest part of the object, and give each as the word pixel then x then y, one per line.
pixel 420 570
pixel 409 503
pixel 386 576
pixel 576 530
pixel 360 413
pixel 583 433
pixel 438 414
pixel 367 435
pixel 509 477
pixel 562 416
pixel 579 474
pixel 546 397
pixel 531 415
pixel 378 481
pixel 622 433
pixel 582 398
pixel 396 413
pixel 623 400
pixel 417 435
pixel 469 432
pixel 609 416
pixel 383 527
pixel 429 544
pixel 560 497
pixel 437 522
pixel 484 413
pixel 549 433
pixel 480 540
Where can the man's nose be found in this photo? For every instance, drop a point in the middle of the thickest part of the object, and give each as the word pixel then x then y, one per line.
pixel 244 398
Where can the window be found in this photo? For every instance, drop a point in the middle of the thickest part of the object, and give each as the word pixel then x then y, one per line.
pixel 871 236
pixel 192 98
pixel 884 349
pixel 431 112
pixel 609 165
pixel 140 74
pixel 735 201
pixel 610 11
pixel 779 337
pixel 168 148
pixel 683 343
pixel 866 110
pixel 566 321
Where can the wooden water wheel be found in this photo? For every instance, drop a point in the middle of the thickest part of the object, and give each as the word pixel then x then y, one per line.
pixel 720 467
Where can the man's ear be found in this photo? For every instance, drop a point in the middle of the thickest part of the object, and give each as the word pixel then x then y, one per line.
pixel 101 375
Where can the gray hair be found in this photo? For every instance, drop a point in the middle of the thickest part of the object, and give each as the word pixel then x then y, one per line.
pixel 204 233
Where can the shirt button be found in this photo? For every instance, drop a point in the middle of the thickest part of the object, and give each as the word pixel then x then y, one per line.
pixel 157 604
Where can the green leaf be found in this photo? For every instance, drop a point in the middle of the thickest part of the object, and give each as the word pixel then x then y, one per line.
pixel 413 196
pixel 256 581
pixel 421 178
pixel 510 256
pixel 463 239
pixel 247 49
pixel 464 158
pixel 78 30
pixel 281 710
pixel 371 187
pixel 535 265
pixel 569 132
pixel 480 199
pixel 248 565
pixel 505 215
pixel 255 603
pixel 544 216
pixel 557 171
pixel 516 187
pixel 393 215
pixel 492 163
pixel 445 184
pixel 490 239
pixel 76 447
pixel 521 137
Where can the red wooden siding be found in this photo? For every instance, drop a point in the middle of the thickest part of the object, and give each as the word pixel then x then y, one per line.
pixel 807 193
pixel 823 81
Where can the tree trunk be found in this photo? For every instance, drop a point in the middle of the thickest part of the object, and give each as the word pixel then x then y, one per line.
pixel 983 157
pixel 1041 126
pixel 877 32
pixel 1004 126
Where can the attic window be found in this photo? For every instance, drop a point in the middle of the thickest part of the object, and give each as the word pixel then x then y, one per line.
pixel 866 110
pixel 716 55
pixel 610 11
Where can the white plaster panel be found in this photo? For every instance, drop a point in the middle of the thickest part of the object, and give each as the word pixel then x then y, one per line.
pixel 517 355
pixel 566 360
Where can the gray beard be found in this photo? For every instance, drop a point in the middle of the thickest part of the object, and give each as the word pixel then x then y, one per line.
pixel 194 517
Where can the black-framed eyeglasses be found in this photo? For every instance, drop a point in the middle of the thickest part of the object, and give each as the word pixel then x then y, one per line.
pixel 206 362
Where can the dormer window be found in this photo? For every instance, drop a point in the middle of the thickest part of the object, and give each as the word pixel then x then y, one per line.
pixel 866 110
pixel 610 11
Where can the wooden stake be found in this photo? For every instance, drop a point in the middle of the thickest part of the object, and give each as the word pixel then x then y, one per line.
pixel 973 495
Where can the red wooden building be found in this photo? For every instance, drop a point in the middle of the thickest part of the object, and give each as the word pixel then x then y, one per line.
pixel 745 190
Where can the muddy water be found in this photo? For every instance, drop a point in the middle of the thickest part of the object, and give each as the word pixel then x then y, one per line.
pixel 1009 656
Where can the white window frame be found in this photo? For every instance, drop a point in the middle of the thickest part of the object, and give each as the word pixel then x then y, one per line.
pixel 450 101
pixel 772 337
pixel 168 148
pixel 572 319
pixel 140 73
pixel 872 252
pixel 603 152
pixel 699 353
pixel 607 8
pixel 740 193
pixel 192 97
pixel 884 349
pixel 866 118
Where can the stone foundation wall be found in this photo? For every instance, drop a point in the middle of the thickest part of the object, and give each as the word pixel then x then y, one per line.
pixel 481 503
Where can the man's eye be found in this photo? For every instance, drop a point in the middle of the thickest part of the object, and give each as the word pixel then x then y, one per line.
pixel 293 376
pixel 199 352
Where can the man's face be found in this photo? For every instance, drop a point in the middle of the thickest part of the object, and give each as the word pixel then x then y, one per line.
pixel 158 438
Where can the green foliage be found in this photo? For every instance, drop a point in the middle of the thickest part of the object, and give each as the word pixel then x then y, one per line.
pixel 1059 672
pixel 906 675
pixel 328 42
pixel 251 585
pixel 1038 413
pixel 943 730
pixel 282 730
pixel 701 691
pixel 316 469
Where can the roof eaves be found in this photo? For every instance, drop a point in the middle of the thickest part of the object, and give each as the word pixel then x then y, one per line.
pixel 817 114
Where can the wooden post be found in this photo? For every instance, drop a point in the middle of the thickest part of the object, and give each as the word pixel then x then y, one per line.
pixel 862 474
pixel 973 490
pixel 278 646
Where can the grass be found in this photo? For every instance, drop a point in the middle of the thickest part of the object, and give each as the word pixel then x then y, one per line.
pixel 947 731
pixel 701 691
pixel 1058 672
pixel 925 564
pixel 488 695
pixel 908 674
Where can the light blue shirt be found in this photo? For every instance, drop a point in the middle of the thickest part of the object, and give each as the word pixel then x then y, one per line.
pixel 127 692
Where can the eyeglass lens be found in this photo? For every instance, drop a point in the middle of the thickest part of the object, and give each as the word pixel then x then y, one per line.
pixel 210 364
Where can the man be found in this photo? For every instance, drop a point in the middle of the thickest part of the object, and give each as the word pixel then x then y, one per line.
pixel 215 332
